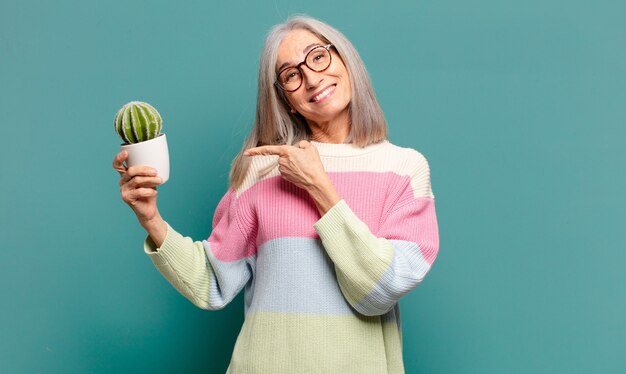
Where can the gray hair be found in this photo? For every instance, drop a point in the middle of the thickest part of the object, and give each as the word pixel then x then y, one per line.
pixel 274 123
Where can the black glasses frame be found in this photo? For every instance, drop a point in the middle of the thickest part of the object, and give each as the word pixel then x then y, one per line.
pixel 298 66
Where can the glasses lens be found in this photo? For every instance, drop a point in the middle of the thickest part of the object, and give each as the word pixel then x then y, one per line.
pixel 318 59
pixel 290 79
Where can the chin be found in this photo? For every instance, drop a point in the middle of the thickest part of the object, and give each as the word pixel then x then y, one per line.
pixel 326 114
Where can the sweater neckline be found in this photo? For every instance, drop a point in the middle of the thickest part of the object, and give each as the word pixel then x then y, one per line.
pixel 346 149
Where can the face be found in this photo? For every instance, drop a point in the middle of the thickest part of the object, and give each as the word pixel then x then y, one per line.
pixel 323 96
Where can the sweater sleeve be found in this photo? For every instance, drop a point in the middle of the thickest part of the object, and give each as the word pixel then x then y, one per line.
pixel 375 270
pixel 209 273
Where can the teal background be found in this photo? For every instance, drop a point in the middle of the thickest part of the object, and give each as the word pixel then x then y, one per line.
pixel 519 106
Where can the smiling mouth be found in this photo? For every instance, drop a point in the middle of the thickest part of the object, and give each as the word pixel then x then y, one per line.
pixel 324 94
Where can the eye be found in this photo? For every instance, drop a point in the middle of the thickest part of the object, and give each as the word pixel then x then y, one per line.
pixel 318 56
pixel 290 75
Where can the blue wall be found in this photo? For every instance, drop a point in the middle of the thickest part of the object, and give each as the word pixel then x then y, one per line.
pixel 519 106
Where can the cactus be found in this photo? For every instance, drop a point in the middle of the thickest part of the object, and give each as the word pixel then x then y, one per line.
pixel 137 122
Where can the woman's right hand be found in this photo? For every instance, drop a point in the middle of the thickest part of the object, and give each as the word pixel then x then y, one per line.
pixel 138 188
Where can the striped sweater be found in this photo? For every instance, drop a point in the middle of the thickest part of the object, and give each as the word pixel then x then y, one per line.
pixel 321 293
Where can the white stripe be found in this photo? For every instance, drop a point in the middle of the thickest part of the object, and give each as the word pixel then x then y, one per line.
pixel 388 158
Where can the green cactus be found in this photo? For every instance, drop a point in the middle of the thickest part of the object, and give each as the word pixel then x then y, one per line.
pixel 137 122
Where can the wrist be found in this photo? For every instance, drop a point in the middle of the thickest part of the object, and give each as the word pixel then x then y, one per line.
pixel 156 229
pixel 324 195
pixel 154 222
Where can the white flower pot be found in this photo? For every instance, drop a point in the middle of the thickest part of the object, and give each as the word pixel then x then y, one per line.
pixel 151 153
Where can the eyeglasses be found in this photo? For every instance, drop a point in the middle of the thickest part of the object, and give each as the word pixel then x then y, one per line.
pixel 318 59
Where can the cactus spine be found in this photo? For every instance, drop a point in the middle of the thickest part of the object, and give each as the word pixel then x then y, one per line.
pixel 137 122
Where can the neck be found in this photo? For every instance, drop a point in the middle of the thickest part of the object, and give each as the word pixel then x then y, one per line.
pixel 333 131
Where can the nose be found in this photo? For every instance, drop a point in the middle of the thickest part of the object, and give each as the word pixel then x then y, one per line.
pixel 310 77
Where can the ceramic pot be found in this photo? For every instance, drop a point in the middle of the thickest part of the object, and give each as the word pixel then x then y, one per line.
pixel 153 153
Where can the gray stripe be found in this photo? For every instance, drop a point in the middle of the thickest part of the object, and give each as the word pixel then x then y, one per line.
pixel 407 270
pixel 227 278
pixel 295 275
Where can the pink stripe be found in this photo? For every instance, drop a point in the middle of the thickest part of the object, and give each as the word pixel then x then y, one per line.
pixel 281 209
pixel 415 222
pixel 227 239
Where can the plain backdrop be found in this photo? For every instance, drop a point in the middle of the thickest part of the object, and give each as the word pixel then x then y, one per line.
pixel 519 107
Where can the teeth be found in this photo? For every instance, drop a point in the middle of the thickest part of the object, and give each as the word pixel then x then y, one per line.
pixel 322 94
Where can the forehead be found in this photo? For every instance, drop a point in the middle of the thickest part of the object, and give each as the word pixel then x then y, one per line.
pixel 291 49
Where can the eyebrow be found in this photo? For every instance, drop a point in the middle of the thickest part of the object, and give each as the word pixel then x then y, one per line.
pixel 305 50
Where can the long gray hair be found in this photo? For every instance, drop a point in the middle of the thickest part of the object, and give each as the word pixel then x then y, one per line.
pixel 274 123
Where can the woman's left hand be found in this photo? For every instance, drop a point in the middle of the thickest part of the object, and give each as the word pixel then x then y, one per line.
pixel 299 164
pixel 302 166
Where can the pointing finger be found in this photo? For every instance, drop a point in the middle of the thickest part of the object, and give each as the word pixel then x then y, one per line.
pixel 267 150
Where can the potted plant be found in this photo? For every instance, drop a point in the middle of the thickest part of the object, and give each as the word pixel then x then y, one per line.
pixel 139 125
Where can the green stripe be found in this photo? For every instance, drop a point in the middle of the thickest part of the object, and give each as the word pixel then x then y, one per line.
pixel 117 123
pixel 370 345
pixel 155 118
pixel 148 114
pixel 128 125
pixel 158 120
pixel 144 121
pixel 122 130
pixel 139 128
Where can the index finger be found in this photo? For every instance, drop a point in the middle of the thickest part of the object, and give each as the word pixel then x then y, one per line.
pixel 267 150
pixel 138 170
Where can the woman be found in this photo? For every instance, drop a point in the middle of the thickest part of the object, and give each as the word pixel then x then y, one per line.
pixel 326 243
